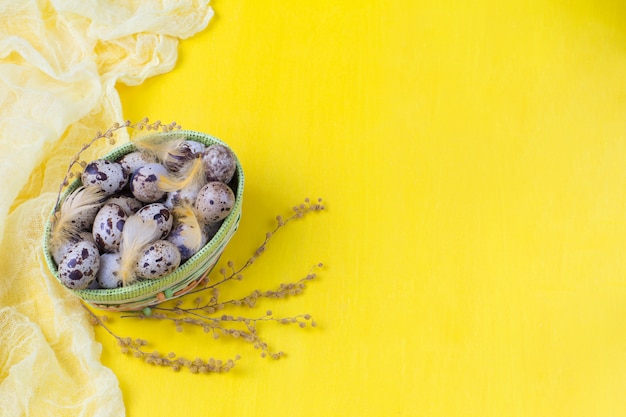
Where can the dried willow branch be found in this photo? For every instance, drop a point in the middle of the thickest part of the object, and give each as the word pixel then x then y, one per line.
pixel 135 347
pixel 109 135
pixel 198 312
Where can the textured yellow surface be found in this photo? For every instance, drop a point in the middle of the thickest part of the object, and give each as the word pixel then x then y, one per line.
pixel 471 155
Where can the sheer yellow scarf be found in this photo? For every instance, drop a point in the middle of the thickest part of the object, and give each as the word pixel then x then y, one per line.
pixel 59 64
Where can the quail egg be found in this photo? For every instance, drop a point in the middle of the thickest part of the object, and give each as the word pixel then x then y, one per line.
pixel 131 162
pixel 107 227
pixel 108 175
pixel 79 266
pixel 196 147
pixel 186 195
pixel 211 229
pixel 145 183
pixel 219 162
pixel 157 259
pixel 108 275
pixel 184 153
pixel 158 213
pixel 214 202
pixel 187 239
pixel 128 203
pixel 84 219
pixel 59 252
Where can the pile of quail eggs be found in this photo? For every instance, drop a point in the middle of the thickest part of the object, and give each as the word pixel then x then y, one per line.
pixel 130 186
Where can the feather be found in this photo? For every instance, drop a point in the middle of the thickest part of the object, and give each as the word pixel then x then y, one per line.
pixel 136 234
pixel 162 146
pixel 192 234
pixel 191 175
pixel 81 199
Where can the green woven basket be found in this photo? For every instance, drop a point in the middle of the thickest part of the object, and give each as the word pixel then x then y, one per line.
pixel 150 292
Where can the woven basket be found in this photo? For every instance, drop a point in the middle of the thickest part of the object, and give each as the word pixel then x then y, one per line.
pixel 188 275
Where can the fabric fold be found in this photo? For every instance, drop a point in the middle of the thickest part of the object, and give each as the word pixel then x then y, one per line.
pixel 59 64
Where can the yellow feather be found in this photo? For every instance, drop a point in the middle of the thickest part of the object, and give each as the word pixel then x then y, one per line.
pixel 162 146
pixel 81 199
pixel 136 234
pixel 190 174
pixel 192 235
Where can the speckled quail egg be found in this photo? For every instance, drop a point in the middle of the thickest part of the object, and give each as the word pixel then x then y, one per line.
pixel 79 266
pixel 186 195
pixel 59 252
pixel 196 147
pixel 144 183
pixel 108 275
pixel 84 219
pixel 107 227
pixel 184 153
pixel 128 203
pixel 158 213
pixel 214 202
pixel 157 259
pixel 187 240
pixel 94 285
pixel 108 175
pixel 219 162
pixel 131 162
pixel 211 229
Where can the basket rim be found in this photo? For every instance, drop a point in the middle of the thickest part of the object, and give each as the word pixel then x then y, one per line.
pixel 149 288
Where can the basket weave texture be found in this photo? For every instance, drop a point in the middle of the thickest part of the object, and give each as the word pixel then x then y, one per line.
pixel 187 276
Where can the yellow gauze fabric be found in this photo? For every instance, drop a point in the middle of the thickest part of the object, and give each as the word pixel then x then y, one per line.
pixel 59 63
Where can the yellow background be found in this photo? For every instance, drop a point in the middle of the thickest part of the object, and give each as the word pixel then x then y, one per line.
pixel 472 158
